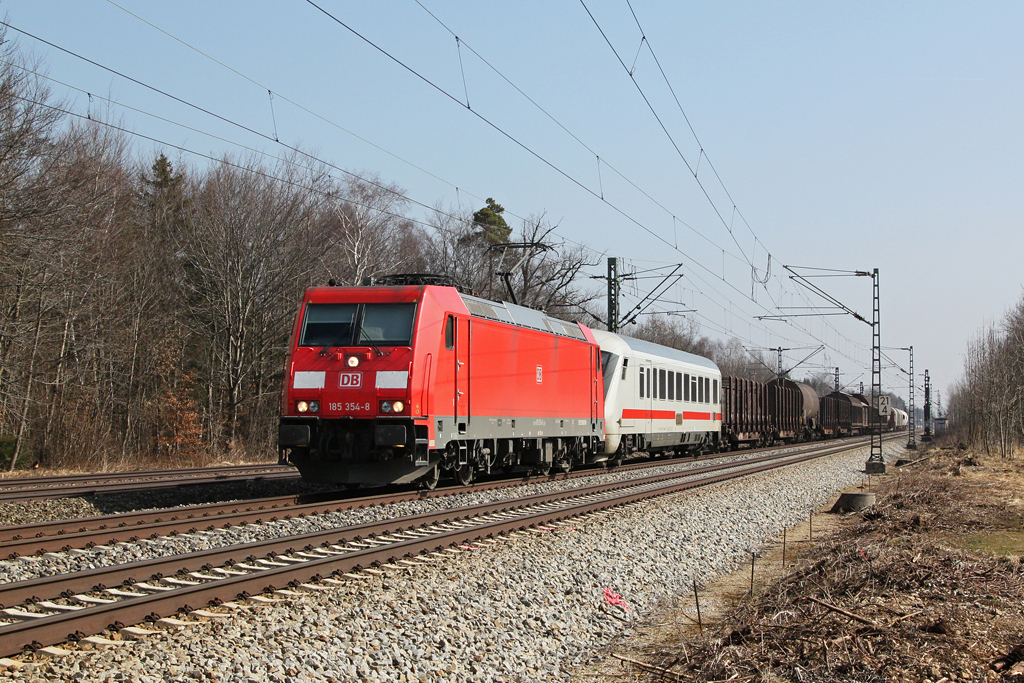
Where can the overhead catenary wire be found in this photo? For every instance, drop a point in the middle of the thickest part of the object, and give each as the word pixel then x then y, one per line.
pixel 516 141
pixel 575 137
pixel 668 134
pixel 406 198
pixel 217 160
pixel 470 48
pixel 224 119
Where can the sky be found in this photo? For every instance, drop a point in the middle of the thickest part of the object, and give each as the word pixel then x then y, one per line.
pixel 733 138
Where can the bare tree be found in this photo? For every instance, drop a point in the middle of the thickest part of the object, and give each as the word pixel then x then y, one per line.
pixel 250 244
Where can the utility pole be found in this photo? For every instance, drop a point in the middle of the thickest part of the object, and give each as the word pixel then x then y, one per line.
pixel 927 408
pixel 876 461
pixel 613 294
pixel 911 421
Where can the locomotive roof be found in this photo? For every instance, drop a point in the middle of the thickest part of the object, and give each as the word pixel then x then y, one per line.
pixel 521 316
pixel 610 339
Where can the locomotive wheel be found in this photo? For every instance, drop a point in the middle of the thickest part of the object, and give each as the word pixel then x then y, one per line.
pixel 464 474
pixel 543 469
pixel 429 480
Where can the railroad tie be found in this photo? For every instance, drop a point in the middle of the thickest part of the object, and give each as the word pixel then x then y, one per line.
pixel 179 582
pixel 271 563
pixel 229 572
pixel 46 604
pixel 90 600
pixel 23 615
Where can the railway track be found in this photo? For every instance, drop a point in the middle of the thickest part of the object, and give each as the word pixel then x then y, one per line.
pixel 39 488
pixel 51 610
pixel 64 535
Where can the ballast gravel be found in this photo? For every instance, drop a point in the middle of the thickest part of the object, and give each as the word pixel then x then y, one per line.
pixel 529 608
pixel 52 564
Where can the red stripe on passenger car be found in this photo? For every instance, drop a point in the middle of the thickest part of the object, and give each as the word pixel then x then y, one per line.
pixel 649 414
pixel 667 415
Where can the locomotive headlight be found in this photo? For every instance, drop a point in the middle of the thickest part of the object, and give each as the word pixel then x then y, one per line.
pixel 352 361
pixel 302 406
pixel 398 406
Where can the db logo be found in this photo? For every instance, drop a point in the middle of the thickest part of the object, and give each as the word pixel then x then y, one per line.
pixel 351 380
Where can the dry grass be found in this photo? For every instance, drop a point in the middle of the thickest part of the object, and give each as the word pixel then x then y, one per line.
pixel 928 585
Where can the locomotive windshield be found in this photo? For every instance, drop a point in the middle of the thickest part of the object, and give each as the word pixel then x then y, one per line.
pixel 330 325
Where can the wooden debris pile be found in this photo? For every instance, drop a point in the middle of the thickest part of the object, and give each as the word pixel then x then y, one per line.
pixel 889 598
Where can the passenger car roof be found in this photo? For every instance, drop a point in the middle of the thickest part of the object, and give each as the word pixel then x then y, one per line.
pixel 617 343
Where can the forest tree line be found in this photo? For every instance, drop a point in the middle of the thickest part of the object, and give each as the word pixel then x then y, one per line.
pixel 986 404
pixel 145 303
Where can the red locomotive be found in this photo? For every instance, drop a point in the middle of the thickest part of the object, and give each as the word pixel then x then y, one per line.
pixel 396 384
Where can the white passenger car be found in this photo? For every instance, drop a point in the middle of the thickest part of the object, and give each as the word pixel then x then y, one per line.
pixel 657 398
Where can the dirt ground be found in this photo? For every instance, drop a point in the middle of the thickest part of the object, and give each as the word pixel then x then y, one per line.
pixel 926 585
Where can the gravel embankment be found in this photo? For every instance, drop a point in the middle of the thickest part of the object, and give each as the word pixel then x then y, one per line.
pixel 75 507
pixel 103 556
pixel 527 609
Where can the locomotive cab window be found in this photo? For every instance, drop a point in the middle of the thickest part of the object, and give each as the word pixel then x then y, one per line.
pixel 331 325
pixel 449 333
pixel 328 324
pixel 387 324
